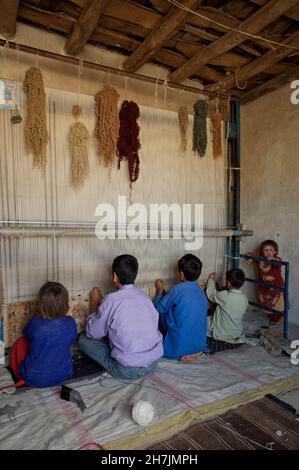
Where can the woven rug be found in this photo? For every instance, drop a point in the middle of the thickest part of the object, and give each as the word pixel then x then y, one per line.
pixel 265 423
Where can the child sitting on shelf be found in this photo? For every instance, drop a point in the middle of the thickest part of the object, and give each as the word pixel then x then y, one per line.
pixel 128 320
pixel 271 274
pixel 225 324
pixel 183 313
pixel 42 356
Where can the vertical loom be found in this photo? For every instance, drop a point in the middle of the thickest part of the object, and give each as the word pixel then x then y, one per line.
pixel 67 251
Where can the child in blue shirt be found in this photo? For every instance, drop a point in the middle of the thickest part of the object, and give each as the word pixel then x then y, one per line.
pixel 42 357
pixel 183 313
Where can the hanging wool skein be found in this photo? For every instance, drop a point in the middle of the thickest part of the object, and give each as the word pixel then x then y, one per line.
pixel 128 142
pixel 217 137
pixel 107 126
pixel 200 138
pixel 183 122
pixel 79 150
pixel 35 130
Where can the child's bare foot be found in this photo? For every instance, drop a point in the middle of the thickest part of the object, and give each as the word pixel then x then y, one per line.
pixel 191 357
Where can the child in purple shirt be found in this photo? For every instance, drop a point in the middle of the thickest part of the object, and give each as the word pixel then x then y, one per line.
pixel 122 331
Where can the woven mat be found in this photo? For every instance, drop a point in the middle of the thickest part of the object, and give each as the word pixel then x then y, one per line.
pixel 264 423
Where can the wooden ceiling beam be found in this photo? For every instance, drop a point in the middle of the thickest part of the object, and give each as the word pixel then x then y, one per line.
pixel 169 24
pixel 293 13
pixel 270 85
pixel 255 23
pixel 8 18
pixel 65 24
pixel 85 26
pixel 201 33
pixel 258 65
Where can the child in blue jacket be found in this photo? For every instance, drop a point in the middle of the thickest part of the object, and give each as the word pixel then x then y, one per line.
pixel 183 313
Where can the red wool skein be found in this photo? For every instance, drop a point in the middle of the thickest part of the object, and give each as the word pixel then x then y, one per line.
pixel 128 142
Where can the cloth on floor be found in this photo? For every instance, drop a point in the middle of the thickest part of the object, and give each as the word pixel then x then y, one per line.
pixel 262 424
pixel 39 419
pixel 6 381
pixel 253 321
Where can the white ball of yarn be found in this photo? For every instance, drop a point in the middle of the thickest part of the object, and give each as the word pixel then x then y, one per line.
pixel 143 413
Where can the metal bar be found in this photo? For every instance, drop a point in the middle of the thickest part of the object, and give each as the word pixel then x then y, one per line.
pixel 105 68
pixel 237 175
pixel 265 260
pixel 265 284
pixel 285 289
pixel 286 302
pixel 269 309
pixel 229 193
pixel 69 231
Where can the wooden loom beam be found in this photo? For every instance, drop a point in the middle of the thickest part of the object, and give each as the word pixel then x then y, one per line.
pixel 72 60
pixel 252 25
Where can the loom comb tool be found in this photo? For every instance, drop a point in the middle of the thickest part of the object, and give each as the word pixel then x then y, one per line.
pixel 72 395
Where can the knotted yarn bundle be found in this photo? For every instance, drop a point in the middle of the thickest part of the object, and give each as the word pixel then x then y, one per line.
pixel 128 143
pixel 79 154
pixel 35 129
pixel 200 138
pixel 107 125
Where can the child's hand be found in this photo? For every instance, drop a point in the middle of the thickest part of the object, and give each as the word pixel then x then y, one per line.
pixel 159 285
pixel 95 298
pixel 213 276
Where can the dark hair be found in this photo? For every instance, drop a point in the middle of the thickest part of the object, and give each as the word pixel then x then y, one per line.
pixel 236 277
pixel 52 300
pixel 191 266
pixel 268 242
pixel 126 268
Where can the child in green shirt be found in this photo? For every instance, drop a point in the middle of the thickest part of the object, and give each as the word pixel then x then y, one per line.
pixel 225 324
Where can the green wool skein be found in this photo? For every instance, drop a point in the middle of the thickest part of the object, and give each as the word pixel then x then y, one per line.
pixel 200 137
